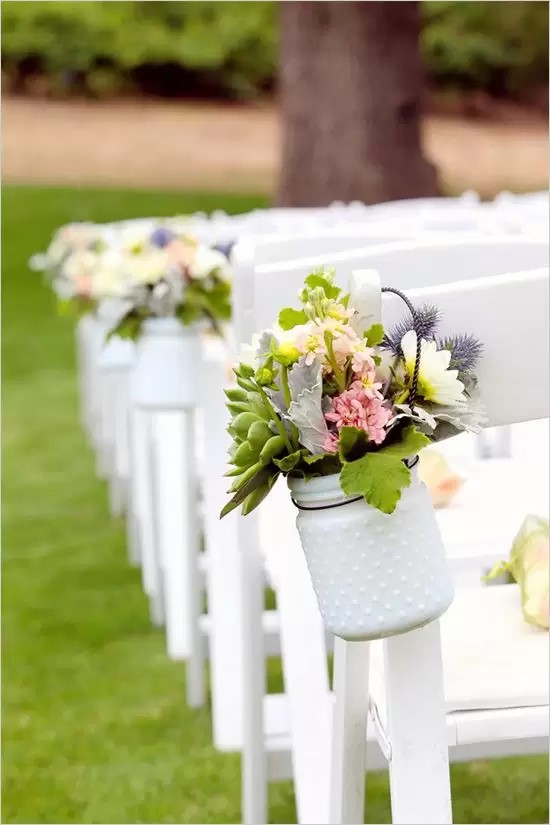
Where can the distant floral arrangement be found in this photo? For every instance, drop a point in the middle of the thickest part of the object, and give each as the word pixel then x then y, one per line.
pixel 320 394
pixel 155 268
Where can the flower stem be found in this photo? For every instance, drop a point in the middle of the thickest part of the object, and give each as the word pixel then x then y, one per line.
pixel 339 377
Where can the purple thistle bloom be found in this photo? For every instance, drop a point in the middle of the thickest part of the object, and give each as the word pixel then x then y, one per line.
pixel 465 350
pixel 161 237
pixel 428 316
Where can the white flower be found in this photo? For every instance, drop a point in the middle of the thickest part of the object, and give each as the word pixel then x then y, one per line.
pixel 79 264
pixel 205 261
pixel 133 237
pixel 436 382
pixel 110 279
pixel 148 267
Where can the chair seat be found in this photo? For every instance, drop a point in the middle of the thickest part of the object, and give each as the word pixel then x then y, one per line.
pixel 492 659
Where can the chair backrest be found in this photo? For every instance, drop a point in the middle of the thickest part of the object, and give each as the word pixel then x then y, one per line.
pixel 401 264
pixel 509 314
pixel 251 253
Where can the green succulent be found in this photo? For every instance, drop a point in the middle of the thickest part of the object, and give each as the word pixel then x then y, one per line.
pixel 256 443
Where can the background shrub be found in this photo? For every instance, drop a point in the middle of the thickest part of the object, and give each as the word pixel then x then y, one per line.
pixel 228 49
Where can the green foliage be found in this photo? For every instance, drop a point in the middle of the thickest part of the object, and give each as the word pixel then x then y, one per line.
pixel 323 279
pixel 375 335
pixel 129 326
pixel 381 476
pixel 501 47
pixel 290 318
pixel 229 49
pixel 180 47
pixel 76 307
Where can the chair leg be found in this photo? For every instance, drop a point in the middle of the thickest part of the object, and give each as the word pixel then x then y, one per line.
pixel 254 760
pixel 196 688
pixel 170 491
pixel 349 733
pixel 223 575
pixel 144 513
pixel 419 764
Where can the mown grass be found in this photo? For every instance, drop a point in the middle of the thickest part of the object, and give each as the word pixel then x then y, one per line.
pixel 95 727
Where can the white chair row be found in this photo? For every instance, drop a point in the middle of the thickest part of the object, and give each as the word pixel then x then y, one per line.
pixel 223 628
pixel 232 582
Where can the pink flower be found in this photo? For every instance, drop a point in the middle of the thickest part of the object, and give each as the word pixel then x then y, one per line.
pixel 370 385
pixel 331 443
pixel 361 408
pixel 83 284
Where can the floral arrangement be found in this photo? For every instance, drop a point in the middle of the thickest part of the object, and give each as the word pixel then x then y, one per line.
pixel 170 273
pixel 155 268
pixel 529 566
pixel 321 394
pixel 69 263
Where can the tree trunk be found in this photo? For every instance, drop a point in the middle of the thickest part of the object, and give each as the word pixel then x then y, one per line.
pixel 351 85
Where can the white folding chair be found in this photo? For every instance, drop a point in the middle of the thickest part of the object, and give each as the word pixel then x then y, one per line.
pixel 490 684
pixel 266 293
pixel 223 552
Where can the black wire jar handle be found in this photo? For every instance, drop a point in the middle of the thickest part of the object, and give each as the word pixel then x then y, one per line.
pixel 417 328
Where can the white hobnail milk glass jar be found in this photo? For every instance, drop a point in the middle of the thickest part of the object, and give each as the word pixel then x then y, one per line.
pixel 167 371
pixel 375 575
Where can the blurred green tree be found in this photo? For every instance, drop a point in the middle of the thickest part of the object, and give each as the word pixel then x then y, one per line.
pixel 228 49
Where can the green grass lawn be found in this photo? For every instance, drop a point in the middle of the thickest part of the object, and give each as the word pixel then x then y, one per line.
pixel 95 727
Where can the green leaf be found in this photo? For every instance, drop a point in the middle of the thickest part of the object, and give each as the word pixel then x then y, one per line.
pixel 257 496
pixel 347 440
pixel 245 455
pixel 236 407
pixel 381 476
pixel 235 471
pixel 378 478
pixel 288 463
pixel 243 479
pixel 254 481
pixel 258 434
pixel 320 279
pixel 235 394
pixel 242 423
pixel 410 443
pixel 289 318
pixel 128 327
pixel 245 384
pixel 313 459
pixel 374 335
pixel 271 448
pixel 244 371
pixel 497 570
